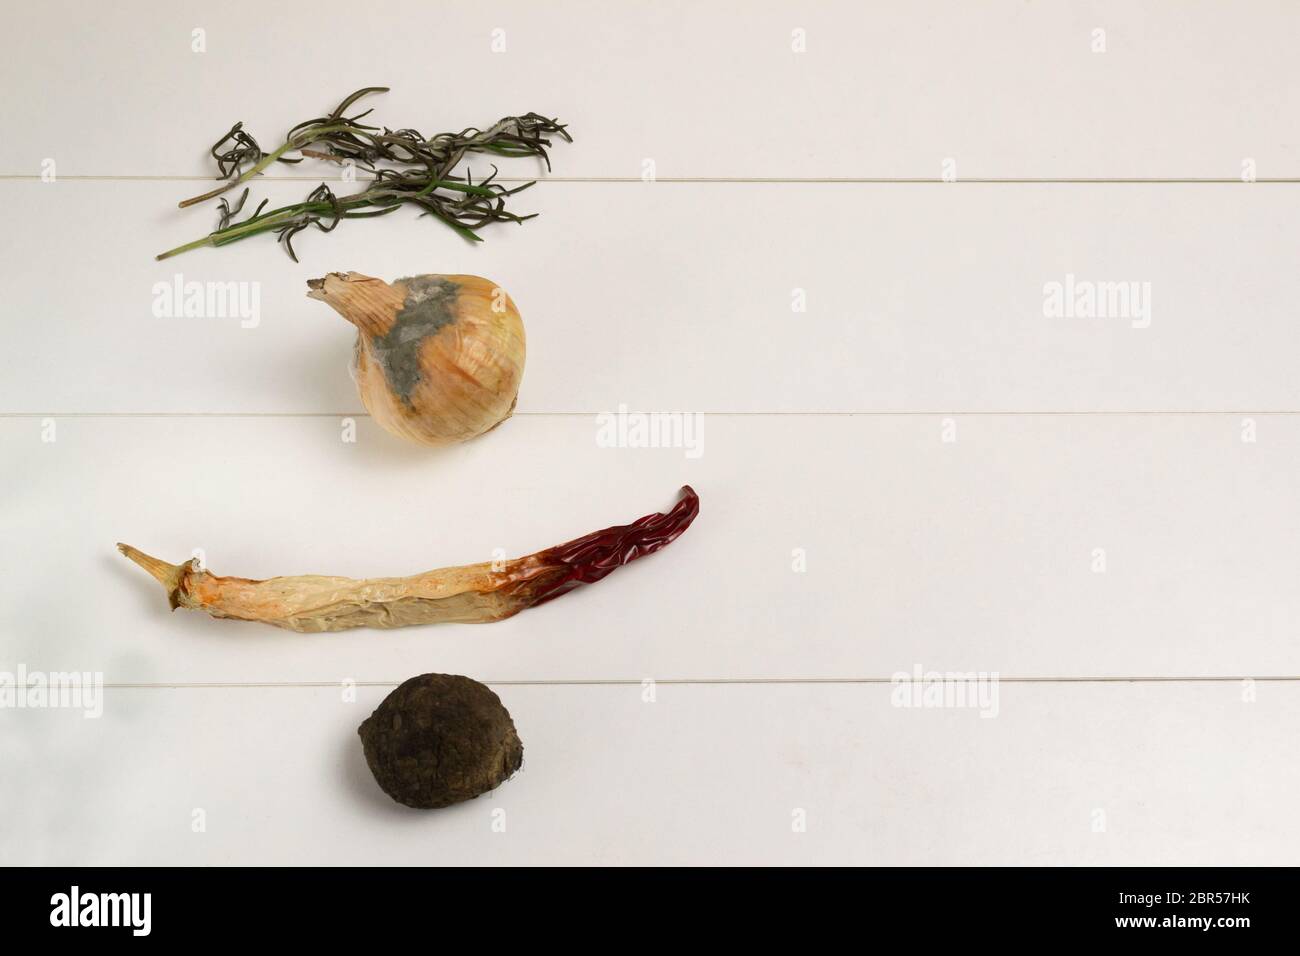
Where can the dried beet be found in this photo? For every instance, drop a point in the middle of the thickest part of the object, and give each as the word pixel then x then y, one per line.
pixel 439 739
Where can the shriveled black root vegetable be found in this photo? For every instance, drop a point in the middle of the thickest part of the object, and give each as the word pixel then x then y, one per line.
pixel 439 739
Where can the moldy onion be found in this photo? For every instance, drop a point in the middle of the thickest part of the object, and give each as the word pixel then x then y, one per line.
pixel 439 358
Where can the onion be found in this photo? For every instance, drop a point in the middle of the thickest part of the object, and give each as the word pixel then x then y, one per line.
pixel 439 358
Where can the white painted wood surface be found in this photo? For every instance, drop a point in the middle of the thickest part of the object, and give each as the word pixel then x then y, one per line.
pixel 918 298
pixel 974 555
pixel 1005 88
pixel 823 433
pixel 1171 772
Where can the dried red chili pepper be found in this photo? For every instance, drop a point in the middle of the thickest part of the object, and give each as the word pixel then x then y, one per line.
pixel 473 593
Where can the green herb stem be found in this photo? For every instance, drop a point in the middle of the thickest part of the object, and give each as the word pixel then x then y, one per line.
pixel 275 219
pixel 256 170
pixel 407 168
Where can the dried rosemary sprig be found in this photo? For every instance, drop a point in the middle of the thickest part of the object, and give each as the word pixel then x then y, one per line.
pixel 407 166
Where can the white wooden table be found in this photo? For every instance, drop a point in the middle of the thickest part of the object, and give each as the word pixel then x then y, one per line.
pixel 919 469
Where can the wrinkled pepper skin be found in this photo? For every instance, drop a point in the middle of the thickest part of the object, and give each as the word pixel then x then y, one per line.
pixel 472 593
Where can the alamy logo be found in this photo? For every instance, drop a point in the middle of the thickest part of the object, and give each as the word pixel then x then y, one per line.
pixel 179 299
pixel 38 690
pixel 103 909
pixel 975 690
pixel 1086 299
pixel 624 429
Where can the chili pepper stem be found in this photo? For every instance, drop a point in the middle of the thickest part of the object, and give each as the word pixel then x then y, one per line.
pixel 168 575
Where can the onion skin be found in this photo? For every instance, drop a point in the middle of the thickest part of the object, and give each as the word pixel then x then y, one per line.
pixel 470 594
pixel 439 358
